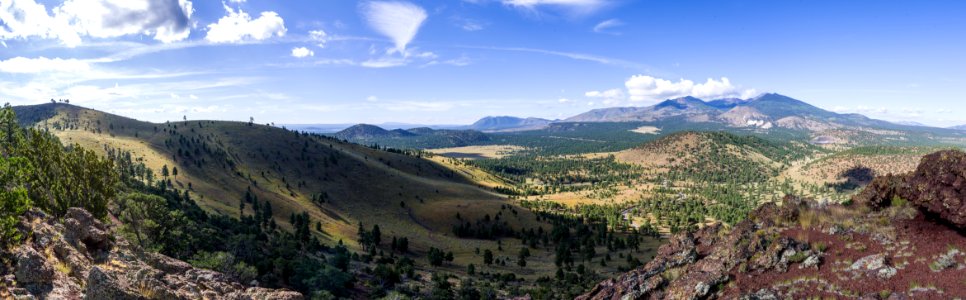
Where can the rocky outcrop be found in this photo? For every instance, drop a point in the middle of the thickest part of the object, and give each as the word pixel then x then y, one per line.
pixel 938 186
pixel 692 265
pixel 79 258
pixel 804 249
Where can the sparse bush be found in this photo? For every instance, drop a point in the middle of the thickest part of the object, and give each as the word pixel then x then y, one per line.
pixel 820 246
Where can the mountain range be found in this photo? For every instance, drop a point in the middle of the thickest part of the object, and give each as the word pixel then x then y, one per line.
pixel 430 138
pixel 765 111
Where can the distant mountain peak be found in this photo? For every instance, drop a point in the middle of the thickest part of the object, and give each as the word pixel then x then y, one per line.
pixel 362 131
pixel 505 123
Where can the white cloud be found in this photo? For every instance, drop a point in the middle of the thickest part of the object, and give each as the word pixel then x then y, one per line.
pixel 166 20
pixel 238 26
pixel 603 27
pixel 320 37
pixel 608 97
pixel 462 61
pixel 862 109
pixel 301 52
pixel 611 93
pixel 571 55
pixel 42 64
pixel 472 26
pixel 391 59
pixel 574 6
pixel 652 89
pixel 385 62
pixel 399 21
pixel 468 24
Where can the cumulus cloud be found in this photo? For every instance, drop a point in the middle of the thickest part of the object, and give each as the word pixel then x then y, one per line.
pixel 301 52
pixel 42 64
pixel 166 20
pixel 652 89
pixel 399 21
pixel 238 26
pixel 603 26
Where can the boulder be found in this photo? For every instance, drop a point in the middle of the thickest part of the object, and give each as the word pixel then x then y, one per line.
pixel 101 285
pixel 938 186
pixel 879 193
pixel 32 267
pixel 81 227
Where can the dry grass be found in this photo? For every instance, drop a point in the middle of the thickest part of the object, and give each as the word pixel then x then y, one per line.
pixel 487 151
pixel 647 130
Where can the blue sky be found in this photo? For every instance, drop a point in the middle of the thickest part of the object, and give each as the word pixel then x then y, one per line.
pixel 452 62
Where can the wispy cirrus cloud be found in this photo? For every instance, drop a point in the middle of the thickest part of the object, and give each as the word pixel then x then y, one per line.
pixel 398 21
pixel 607 25
pixel 572 55
pixel 570 6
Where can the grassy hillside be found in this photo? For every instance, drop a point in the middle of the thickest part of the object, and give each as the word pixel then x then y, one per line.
pixel 337 183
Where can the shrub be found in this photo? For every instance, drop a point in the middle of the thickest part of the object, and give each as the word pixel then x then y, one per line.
pixel 820 246
pixel 13 199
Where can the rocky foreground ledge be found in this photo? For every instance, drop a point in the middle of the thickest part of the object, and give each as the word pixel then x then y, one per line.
pixel 79 258
pixel 901 239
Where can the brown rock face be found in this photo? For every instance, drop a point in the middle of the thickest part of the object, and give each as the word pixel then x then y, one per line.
pixel 939 186
pixel 879 193
pixel 80 259
pixel 706 259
